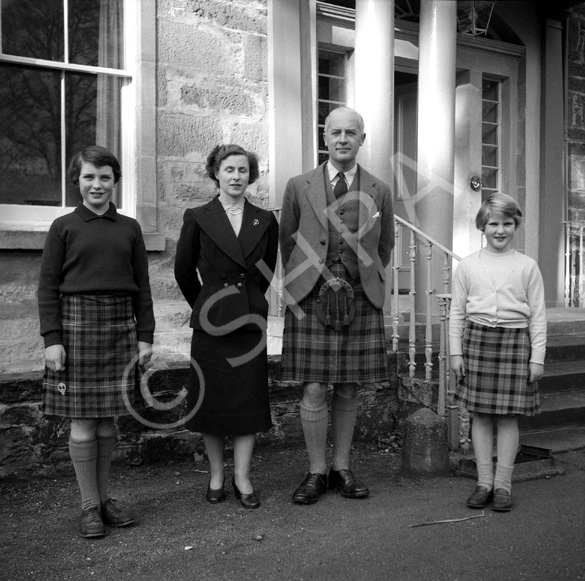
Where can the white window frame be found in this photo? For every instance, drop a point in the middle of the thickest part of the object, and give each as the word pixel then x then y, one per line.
pixel 26 226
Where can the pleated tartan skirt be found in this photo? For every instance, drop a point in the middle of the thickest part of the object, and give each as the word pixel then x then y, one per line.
pixel 496 372
pixel 312 352
pixel 100 379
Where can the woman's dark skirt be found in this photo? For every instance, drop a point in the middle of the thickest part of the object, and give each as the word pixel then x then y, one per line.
pixel 314 353
pixel 496 372
pixel 100 378
pixel 235 394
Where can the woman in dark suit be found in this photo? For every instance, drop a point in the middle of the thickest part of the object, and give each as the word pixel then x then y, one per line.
pixel 232 244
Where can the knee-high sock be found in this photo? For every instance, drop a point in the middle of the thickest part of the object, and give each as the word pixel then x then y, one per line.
pixel 508 441
pixel 315 423
pixel 84 458
pixel 343 416
pixel 503 478
pixel 105 448
pixel 485 475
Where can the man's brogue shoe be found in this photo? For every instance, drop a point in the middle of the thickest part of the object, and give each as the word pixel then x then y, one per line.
pixel 309 490
pixel 345 482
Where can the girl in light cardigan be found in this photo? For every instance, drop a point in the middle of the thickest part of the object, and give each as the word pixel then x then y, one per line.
pixel 497 336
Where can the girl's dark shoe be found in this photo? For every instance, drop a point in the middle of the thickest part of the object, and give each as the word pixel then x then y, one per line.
pixel 215 496
pixel 247 500
pixel 502 500
pixel 115 516
pixel 480 498
pixel 91 524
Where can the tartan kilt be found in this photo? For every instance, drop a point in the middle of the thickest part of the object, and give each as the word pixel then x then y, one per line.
pixel 312 352
pixel 99 336
pixel 496 372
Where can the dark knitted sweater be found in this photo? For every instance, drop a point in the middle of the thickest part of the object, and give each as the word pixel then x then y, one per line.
pixel 90 254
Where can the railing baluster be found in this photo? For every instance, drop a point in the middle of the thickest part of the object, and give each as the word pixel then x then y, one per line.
pixel 567 264
pixel 580 263
pixel 412 293
pixel 397 263
pixel 428 315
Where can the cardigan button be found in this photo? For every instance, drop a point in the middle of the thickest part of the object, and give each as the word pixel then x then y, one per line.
pixel 239 285
pixel 225 285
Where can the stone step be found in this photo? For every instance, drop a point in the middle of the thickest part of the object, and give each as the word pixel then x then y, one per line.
pixel 557 410
pixel 563 377
pixel 569 347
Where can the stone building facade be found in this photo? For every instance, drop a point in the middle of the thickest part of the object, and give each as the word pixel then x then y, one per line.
pixel 244 71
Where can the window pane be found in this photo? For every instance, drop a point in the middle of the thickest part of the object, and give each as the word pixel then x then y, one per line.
pixel 489 156
pixel 491 90
pixel 30 136
pixel 95 33
pixel 332 89
pixel 92 117
pixel 33 28
pixel 489 178
pixel 331 63
pixel 489 134
pixel 489 111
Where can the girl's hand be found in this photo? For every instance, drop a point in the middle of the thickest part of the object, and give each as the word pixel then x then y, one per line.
pixel 144 352
pixel 55 357
pixel 535 372
pixel 458 367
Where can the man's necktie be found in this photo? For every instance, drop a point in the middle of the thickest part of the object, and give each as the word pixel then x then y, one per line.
pixel 340 188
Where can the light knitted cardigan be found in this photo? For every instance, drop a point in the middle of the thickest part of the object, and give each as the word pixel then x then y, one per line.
pixel 499 290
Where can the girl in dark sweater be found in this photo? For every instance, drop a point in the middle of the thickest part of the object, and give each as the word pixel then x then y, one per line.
pixel 97 322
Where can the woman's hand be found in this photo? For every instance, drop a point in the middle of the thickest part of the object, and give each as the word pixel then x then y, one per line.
pixel 55 357
pixel 535 372
pixel 458 367
pixel 144 352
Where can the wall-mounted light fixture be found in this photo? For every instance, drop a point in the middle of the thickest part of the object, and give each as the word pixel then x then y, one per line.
pixel 473 17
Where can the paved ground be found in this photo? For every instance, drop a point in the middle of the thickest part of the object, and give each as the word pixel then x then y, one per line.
pixel 181 537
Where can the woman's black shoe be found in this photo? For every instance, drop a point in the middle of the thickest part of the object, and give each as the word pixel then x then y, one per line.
pixel 215 496
pixel 247 500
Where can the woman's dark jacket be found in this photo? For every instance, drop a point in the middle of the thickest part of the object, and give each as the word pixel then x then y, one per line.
pixel 235 272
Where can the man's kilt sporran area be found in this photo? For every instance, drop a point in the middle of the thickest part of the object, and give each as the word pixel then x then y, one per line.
pixel 313 352
pixel 496 372
pixel 99 336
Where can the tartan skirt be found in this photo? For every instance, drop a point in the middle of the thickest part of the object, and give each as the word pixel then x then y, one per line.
pixel 99 336
pixel 312 352
pixel 496 372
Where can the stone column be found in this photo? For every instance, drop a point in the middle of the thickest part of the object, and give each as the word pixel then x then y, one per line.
pixel 552 168
pixel 436 133
pixel 374 83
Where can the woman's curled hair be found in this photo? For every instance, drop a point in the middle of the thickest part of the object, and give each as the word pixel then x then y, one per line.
pixel 220 152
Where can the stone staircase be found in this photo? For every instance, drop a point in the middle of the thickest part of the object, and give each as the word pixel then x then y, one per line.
pixel 561 424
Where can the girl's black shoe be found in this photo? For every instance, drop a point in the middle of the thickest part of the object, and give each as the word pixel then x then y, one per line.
pixel 247 500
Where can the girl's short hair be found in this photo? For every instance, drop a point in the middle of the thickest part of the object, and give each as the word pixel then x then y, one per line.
pixel 498 203
pixel 220 152
pixel 98 156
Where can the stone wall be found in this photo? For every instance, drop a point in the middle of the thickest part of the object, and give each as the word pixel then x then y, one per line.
pixel 31 444
pixel 212 87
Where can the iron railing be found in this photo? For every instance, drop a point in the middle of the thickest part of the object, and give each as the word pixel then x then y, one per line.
pixel 574 263
pixel 436 313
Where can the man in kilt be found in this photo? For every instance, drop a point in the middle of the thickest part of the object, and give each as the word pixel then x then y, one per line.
pixel 336 239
